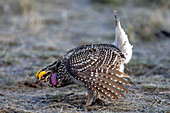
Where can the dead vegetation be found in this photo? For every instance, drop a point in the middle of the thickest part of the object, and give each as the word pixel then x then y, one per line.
pixel 35 33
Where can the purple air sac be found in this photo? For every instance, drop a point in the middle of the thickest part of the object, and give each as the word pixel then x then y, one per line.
pixel 53 79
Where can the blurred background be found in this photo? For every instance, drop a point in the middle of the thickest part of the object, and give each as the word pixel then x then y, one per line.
pixel 34 33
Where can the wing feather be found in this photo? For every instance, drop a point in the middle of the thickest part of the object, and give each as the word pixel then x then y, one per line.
pixel 97 67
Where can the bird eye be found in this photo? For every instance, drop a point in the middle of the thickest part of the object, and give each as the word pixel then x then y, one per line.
pixel 44 75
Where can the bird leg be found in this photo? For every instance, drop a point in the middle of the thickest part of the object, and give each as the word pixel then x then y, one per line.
pixel 91 95
pixel 97 96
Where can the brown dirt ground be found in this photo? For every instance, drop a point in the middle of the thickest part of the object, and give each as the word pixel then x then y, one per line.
pixel 36 33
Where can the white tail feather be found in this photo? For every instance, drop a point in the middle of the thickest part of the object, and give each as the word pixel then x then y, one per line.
pixel 121 40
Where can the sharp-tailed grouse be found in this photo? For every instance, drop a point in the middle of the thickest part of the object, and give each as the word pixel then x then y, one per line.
pixel 98 67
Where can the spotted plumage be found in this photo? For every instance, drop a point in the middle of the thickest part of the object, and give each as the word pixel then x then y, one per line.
pixel 98 67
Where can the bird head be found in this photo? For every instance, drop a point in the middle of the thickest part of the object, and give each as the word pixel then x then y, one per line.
pixel 44 75
pixel 51 74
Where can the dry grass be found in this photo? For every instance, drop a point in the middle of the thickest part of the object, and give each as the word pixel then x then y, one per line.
pixel 35 33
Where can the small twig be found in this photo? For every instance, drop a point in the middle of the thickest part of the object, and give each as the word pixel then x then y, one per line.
pixel 103 108
pixel 44 101
pixel 155 102
pixel 152 70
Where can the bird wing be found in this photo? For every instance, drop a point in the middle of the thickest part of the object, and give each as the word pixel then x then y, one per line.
pixel 98 68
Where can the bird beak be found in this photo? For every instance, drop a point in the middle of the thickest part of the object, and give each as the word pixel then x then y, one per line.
pixel 38 80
